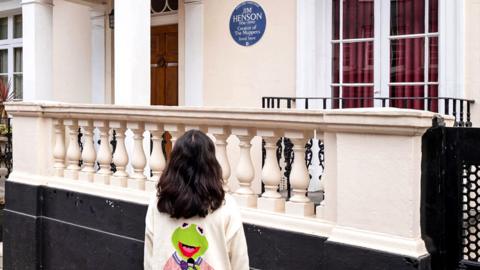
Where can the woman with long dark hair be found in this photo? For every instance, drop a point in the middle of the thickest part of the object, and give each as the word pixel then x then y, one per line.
pixel 192 223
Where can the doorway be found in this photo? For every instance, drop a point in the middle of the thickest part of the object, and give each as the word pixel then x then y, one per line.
pixel 164 65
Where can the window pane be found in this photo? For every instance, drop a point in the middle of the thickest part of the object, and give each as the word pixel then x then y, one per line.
pixel 335 63
pixel 173 4
pixel 357 19
pixel 17 26
pixel 433 60
pixel 3 28
pixel 158 5
pixel 407 97
pixel 433 16
pixel 3 61
pixel 358 62
pixel 407 60
pixel 18 56
pixel 357 97
pixel 336 19
pixel 407 17
pixel 335 96
pixel 412 97
pixel 18 85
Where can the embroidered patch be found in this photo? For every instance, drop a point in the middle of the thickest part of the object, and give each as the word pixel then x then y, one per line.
pixel 190 245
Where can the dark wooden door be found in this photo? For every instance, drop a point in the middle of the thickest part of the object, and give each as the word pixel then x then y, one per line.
pixel 164 65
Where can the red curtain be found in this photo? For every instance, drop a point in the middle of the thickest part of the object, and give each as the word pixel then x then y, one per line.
pixel 407 54
pixel 357 62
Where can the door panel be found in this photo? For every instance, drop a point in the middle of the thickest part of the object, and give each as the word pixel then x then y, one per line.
pixel 164 65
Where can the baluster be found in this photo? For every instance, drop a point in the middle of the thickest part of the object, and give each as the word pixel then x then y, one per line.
pixel 245 171
pixel 299 203
pixel 120 156
pixel 271 199
pixel 59 149
pixel 73 151
pixel 139 161
pixel 104 155
pixel 157 160
pixel 88 154
pixel 221 135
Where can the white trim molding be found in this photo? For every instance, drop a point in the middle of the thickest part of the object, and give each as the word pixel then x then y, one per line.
pixel 164 19
pixel 378 241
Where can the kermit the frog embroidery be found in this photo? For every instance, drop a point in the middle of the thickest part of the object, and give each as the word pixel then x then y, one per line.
pixel 190 245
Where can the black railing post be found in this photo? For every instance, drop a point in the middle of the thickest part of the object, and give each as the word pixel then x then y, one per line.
pixel 278 103
pixel 455 111
pixel 263 102
pixel 383 102
pixel 306 103
pixel 324 103
pixel 469 123
pixel 289 103
pixel 447 106
pixel 461 114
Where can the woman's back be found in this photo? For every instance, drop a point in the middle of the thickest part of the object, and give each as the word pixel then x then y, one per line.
pixel 192 223
pixel 216 241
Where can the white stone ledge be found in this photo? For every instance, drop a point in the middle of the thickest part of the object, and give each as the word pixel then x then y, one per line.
pixel 378 241
pixel 366 120
pixel 106 191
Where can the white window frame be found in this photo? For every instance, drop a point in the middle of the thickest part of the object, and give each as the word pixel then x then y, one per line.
pixel 315 79
pixel 11 44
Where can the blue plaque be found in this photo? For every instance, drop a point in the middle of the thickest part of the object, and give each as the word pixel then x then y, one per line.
pixel 247 23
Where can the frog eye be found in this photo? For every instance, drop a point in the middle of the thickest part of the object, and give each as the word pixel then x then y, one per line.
pixel 200 230
pixel 185 225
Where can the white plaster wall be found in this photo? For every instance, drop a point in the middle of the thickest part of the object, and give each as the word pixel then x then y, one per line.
pixel 472 56
pixel 239 76
pixel 71 52
pixel 384 198
pixel 8 6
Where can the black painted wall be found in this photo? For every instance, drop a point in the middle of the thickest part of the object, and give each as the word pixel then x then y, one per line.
pixel 48 228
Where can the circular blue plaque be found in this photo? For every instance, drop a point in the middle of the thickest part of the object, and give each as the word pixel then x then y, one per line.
pixel 247 23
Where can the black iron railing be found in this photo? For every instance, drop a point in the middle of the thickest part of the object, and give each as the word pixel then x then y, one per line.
pixel 456 107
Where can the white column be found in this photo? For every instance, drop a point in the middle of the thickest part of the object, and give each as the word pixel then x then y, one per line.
pixel 132 52
pixel 299 203
pixel 97 19
pixel 306 50
pixel 194 53
pixel 245 171
pixel 37 50
pixel 271 199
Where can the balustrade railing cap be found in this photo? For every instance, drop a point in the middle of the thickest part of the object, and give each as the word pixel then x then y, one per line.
pixel 368 120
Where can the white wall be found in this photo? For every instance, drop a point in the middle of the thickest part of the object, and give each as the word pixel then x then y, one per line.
pixel 472 56
pixel 239 76
pixel 7 6
pixel 71 52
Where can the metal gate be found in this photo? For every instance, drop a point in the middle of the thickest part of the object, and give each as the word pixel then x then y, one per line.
pixel 450 212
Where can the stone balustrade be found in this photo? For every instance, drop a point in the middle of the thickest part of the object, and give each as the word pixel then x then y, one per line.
pixel 371 182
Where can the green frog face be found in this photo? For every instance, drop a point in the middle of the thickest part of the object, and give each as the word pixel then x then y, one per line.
pixel 189 241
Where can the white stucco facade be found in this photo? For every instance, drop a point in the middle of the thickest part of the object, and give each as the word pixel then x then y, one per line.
pixel 91 63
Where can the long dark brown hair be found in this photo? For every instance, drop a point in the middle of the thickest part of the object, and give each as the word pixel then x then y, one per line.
pixel 191 184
